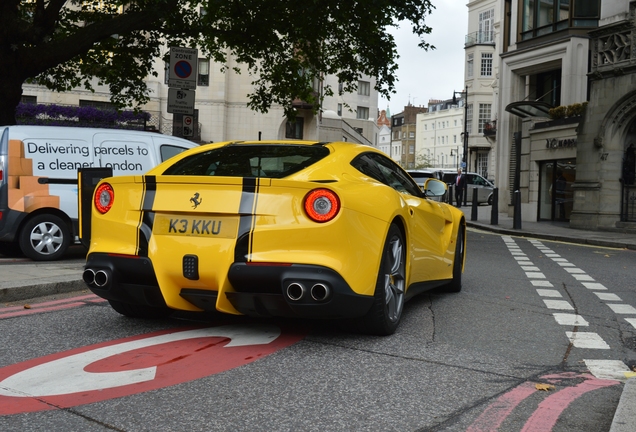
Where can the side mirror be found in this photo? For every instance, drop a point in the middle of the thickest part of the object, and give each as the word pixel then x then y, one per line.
pixel 434 188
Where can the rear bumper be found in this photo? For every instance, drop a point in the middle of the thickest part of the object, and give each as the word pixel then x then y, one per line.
pixel 296 290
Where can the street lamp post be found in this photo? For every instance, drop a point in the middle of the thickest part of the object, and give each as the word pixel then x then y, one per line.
pixel 464 95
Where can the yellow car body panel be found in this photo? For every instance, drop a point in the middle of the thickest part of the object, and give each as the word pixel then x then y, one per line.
pixel 217 219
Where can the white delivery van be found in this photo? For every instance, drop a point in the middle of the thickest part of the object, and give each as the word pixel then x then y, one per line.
pixel 38 179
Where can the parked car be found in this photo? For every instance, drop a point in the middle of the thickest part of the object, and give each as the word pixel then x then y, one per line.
pixel 38 179
pixel 282 228
pixel 475 182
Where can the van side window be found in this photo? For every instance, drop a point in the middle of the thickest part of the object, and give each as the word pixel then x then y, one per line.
pixel 168 150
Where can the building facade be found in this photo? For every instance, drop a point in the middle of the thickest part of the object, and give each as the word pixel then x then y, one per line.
pixel 481 85
pixel 440 134
pixel 404 134
pixel 544 54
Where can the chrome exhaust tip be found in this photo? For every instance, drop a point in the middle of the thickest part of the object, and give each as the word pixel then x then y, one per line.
pixel 320 292
pixel 295 291
pixel 88 276
pixel 101 278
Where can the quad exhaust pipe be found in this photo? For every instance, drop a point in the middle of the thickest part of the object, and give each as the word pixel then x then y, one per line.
pixel 99 278
pixel 318 292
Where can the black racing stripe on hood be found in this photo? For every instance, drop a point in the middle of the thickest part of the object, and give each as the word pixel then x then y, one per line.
pixel 247 209
pixel 147 215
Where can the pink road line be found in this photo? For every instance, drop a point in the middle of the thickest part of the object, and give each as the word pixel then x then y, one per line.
pixel 90 297
pixel 548 412
pixel 40 310
pixel 497 412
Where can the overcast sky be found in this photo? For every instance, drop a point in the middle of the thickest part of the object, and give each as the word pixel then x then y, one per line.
pixel 433 74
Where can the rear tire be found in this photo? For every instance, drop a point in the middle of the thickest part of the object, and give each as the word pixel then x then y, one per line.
pixel 455 285
pixel 45 237
pixel 140 311
pixel 385 313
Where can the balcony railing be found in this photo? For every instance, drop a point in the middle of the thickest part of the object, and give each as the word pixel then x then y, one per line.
pixel 482 38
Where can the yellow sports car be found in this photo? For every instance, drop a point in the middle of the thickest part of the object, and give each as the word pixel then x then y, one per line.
pixel 280 228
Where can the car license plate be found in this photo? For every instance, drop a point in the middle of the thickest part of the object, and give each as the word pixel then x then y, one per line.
pixel 219 227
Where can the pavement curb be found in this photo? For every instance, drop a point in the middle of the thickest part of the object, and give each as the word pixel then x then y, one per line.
pixel 28 292
pixel 624 419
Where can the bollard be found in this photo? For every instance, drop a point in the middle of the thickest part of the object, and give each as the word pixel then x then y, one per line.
pixel 516 223
pixel 473 212
pixel 494 210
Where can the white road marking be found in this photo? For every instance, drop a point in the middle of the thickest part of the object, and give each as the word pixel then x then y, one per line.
pixel 549 293
pixel 530 268
pixel 559 260
pixel 594 285
pixel 552 255
pixel 565 264
pixel 607 369
pixel 632 321
pixel 587 340
pixel 542 283
pixel 558 304
pixel 623 309
pixel 524 258
pixel 570 319
pixel 535 275
pixel 574 270
pixel 583 277
pixel 608 296
pixel 67 375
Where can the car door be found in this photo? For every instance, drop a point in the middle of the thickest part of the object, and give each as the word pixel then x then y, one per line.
pixel 426 223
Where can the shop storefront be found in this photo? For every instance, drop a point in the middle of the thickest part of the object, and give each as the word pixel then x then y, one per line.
pixel 556 196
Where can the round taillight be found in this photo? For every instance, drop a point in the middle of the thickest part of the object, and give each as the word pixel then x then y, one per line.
pixel 104 197
pixel 322 205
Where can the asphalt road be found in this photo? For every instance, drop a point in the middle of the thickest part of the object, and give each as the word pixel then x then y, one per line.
pixel 500 355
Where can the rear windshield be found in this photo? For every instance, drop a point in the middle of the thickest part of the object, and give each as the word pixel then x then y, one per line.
pixel 261 160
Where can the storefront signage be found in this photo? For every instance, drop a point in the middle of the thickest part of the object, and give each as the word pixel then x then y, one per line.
pixel 553 143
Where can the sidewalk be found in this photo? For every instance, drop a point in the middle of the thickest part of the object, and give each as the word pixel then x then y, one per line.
pixel 23 279
pixel 557 231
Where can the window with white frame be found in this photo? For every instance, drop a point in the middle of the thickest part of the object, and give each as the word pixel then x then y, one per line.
pixel 364 88
pixel 484 115
pixel 362 113
pixel 340 109
pixel 486 64
pixel 486 22
pixel 469 119
pixel 411 149
pixel 203 72
pixel 469 65
pixel 482 164
pixel 411 134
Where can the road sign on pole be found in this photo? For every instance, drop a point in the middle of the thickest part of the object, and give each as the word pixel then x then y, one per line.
pixel 188 126
pixel 180 101
pixel 183 68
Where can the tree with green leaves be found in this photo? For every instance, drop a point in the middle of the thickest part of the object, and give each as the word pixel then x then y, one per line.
pixel 64 44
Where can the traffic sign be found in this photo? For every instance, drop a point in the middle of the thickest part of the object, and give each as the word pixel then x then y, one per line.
pixel 188 126
pixel 180 101
pixel 183 68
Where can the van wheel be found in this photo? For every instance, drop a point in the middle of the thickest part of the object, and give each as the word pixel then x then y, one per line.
pixel 45 237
